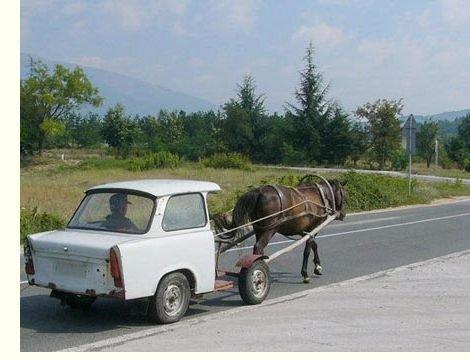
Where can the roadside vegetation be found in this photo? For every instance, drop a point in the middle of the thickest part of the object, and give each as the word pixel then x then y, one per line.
pixel 64 151
pixel 50 194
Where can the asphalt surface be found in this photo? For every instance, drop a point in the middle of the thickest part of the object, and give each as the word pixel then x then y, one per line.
pixel 361 245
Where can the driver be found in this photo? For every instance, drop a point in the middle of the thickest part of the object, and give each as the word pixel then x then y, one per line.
pixel 117 220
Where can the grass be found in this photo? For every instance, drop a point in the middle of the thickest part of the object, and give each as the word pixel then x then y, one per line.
pixel 57 188
pixel 420 168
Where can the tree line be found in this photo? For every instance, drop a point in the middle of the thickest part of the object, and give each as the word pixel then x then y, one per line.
pixel 312 131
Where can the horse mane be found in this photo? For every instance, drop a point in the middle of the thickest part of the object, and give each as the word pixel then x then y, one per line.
pixel 243 211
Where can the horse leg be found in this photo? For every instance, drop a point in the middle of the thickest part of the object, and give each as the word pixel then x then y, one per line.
pixel 304 272
pixel 262 240
pixel 316 257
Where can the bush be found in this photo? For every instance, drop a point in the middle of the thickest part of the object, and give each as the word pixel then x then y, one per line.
pixel 31 221
pixel 467 165
pixel 399 160
pixel 228 161
pixel 368 192
pixel 161 159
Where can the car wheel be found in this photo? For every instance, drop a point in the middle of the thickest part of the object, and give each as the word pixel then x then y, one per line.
pixel 171 300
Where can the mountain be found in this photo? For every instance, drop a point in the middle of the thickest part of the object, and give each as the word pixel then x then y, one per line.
pixel 449 115
pixel 137 96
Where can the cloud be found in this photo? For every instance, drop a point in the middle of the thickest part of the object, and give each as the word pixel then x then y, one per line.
pixel 455 12
pixel 134 15
pixel 321 34
pixel 237 15
pixel 375 52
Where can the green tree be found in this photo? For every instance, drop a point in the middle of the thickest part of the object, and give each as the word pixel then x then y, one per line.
pixel 276 143
pixel 313 110
pixel 119 131
pixel 426 140
pixel 202 135
pixel 151 133
pixel 173 129
pixel 85 130
pixel 243 125
pixel 383 127
pixel 337 139
pixel 47 97
pixel 458 147
pixel 359 141
pixel 464 130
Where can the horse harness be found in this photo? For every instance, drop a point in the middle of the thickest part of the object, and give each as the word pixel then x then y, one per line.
pixel 307 204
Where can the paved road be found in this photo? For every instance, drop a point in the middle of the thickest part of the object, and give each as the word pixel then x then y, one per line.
pixel 363 244
pixel 431 178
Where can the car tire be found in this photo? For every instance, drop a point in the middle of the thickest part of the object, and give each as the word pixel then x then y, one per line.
pixel 80 302
pixel 171 300
pixel 254 283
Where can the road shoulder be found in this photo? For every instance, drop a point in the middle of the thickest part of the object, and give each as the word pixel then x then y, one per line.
pixel 417 307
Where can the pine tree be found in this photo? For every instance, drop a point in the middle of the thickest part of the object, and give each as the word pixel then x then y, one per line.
pixel 314 109
pixel 244 117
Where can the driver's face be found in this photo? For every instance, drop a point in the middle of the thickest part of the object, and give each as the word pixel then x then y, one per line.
pixel 121 209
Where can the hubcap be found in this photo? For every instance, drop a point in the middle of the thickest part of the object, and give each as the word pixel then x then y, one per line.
pixel 259 283
pixel 173 300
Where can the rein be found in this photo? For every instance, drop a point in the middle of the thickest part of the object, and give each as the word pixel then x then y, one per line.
pixel 306 201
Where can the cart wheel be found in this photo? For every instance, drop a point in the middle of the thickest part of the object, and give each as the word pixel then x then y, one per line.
pixel 171 300
pixel 81 302
pixel 254 283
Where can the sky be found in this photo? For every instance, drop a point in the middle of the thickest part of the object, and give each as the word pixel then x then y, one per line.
pixel 366 49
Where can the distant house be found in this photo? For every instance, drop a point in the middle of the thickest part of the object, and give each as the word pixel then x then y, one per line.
pixel 405 134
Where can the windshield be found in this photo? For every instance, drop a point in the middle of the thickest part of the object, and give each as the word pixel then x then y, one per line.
pixel 114 211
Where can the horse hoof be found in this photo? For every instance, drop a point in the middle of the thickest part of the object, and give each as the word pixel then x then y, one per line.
pixel 306 280
pixel 318 270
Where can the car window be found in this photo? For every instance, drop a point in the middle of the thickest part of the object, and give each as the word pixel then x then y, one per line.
pixel 114 211
pixel 184 212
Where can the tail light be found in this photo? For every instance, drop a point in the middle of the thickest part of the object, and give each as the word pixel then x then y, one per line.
pixel 28 259
pixel 115 268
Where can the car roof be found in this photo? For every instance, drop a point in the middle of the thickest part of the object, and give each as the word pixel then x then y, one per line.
pixel 161 187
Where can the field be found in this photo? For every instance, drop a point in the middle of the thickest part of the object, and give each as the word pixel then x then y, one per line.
pixel 55 187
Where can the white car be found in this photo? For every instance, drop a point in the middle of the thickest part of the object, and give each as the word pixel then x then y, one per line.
pixel 136 239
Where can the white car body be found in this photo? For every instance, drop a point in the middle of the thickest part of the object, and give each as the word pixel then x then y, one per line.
pixel 77 261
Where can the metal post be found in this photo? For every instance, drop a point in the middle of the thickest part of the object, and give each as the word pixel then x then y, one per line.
pixel 409 150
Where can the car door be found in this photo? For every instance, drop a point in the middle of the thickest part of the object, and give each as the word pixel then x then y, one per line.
pixel 184 241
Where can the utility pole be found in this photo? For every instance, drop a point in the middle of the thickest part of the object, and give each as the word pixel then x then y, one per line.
pixel 410 122
pixel 436 149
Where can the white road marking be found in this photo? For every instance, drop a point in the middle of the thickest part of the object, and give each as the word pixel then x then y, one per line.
pixel 365 221
pixel 192 322
pixel 362 230
pixel 350 232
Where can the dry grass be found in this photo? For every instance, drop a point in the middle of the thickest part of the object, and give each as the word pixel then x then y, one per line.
pixel 58 192
pixel 57 189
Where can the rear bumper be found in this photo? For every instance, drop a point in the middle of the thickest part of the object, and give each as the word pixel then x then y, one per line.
pixel 114 293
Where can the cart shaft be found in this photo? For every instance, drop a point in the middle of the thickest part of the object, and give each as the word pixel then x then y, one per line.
pixel 299 242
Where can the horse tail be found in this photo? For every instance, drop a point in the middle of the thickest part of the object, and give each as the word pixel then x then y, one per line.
pixel 244 208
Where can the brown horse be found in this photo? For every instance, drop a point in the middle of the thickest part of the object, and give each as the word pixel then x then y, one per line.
pixel 306 206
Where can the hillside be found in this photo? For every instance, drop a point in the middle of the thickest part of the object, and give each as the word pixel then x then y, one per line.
pixel 448 115
pixel 138 97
